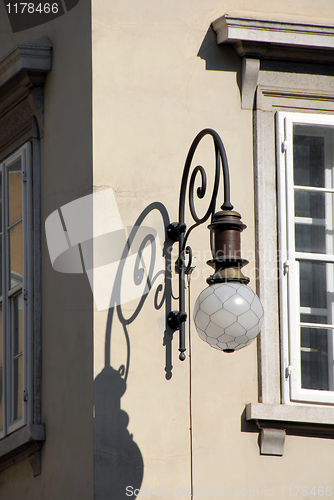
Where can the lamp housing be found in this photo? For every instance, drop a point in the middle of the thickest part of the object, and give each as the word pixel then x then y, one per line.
pixel 228 315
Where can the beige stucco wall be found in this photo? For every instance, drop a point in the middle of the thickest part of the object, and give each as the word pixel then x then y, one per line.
pixel 159 78
pixel 66 174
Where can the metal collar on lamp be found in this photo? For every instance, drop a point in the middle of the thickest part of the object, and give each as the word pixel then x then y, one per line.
pixel 228 314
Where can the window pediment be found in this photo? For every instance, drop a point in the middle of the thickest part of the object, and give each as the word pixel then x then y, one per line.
pixel 22 76
pixel 305 40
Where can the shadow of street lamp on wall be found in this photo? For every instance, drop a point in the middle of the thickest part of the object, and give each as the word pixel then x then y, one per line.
pixel 228 314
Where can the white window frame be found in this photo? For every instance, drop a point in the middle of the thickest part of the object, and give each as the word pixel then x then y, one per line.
pixel 24 153
pixel 289 258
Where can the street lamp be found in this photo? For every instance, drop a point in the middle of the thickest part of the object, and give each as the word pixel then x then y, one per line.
pixel 227 314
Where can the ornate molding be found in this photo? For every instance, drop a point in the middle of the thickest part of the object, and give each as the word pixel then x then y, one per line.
pixel 22 77
pixel 35 100
pixel 270 98
pixel 33 56
pixel 276 39
pixel 257 39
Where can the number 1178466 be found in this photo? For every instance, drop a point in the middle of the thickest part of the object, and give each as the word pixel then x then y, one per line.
pixel 305 491
pixel 31 8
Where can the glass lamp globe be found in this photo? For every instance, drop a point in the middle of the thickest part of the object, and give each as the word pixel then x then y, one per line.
pixel 228 315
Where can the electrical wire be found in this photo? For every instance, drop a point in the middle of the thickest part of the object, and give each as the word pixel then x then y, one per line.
pixel 190 396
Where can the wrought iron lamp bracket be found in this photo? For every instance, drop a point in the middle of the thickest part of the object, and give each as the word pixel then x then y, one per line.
pixel 225 229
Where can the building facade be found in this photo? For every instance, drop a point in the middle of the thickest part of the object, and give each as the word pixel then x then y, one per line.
pixel 98 109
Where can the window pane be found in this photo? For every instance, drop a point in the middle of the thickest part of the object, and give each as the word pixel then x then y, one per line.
pixel 309 204
pixel 310 238
pixel 17 388
pixel 313 318
pixel 17 324
pixel 308 156
pixel 313 284
pixel 314 359
pixel 16 255
pixel 14 192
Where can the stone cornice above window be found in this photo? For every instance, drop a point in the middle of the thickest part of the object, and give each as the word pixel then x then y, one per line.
pixel 276 39
pixel 22 76
pixel 260 38
pixel 32 57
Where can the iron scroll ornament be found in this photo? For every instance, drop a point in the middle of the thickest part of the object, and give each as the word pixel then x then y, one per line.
pixel 177 231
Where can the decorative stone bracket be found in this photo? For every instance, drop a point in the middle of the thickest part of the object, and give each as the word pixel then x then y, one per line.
pixel 272 441
pixel 250 76
pixel 279 39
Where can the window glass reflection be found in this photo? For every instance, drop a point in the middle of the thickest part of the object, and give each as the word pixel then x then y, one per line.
pixel 313 318
pixel 17 324
pixel 309 204
pixel 14 192
pixel 17 388
pixel 313 288
pixel 308 157
pixel 310 238
pixel 15 255
pixel 314 359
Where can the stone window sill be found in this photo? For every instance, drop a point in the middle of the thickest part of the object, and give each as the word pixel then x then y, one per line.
pixel 275 421
pixel 21 444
